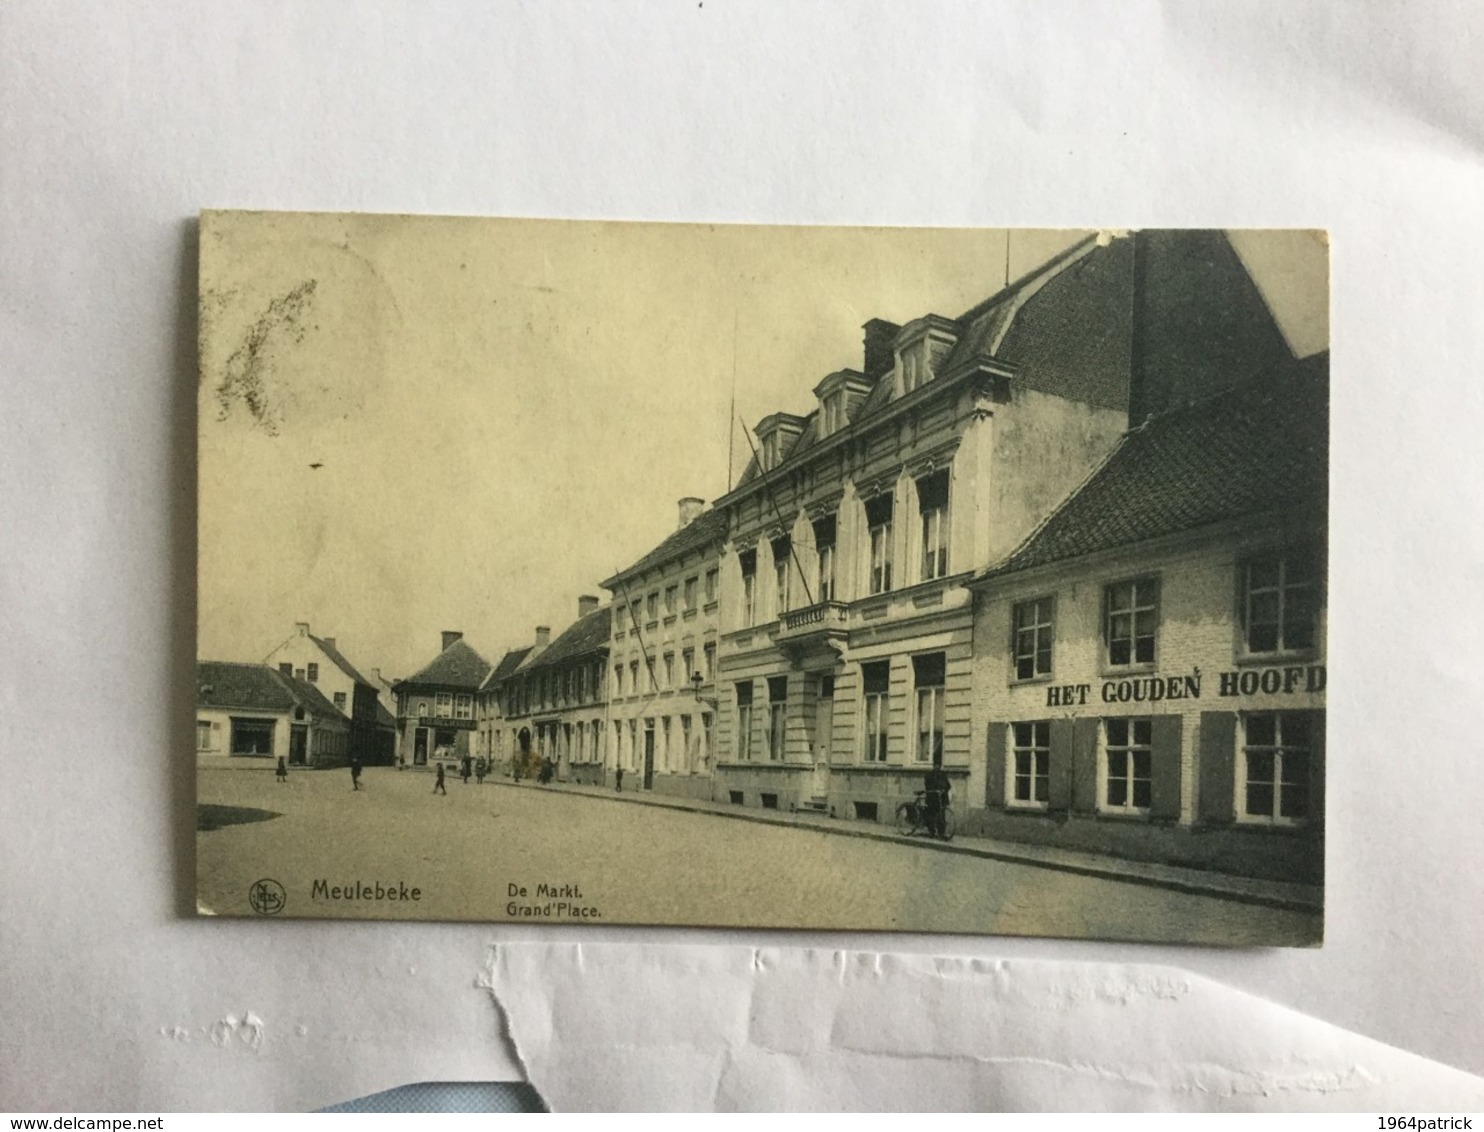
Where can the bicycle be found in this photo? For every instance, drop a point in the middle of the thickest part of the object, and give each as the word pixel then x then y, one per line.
pixel 912 817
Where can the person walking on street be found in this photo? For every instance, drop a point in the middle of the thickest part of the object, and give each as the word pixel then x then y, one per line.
pixel 355 772
pixel 618 780
pixel 936 788
pixel 464 769
pixel 438 787
pixel 481 768
pixel 283 771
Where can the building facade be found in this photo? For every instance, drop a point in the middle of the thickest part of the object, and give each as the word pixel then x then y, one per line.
pixel 435 708
pixel 662 659
pixel 319 661
pixel 549 702
pixel 250 713
pixel 1150 664
pixel 846 655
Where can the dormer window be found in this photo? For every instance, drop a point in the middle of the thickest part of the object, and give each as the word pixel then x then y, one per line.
pixel 833 418
pixel 839 395
pixel 770 450
pixel 922 347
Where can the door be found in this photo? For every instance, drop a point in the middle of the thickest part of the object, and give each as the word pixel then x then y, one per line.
pixel 420 747
pixel 298 744
pixel 824 715
pixel 649 757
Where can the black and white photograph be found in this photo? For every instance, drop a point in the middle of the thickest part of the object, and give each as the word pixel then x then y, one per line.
pixel 891 579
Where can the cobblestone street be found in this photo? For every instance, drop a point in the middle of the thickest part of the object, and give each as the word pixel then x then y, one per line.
pixel 609 862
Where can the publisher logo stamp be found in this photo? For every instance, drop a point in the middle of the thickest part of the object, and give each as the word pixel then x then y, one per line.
pixel 266 897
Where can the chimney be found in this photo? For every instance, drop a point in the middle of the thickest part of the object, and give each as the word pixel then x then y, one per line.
pixel 690 510
pixel 586 604
pixel 302 627
pixel 329 642
pixel 543 636
pixel 449 637
pixel 880 355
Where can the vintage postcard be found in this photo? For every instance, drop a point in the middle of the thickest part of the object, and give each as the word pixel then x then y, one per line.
pixel 867 579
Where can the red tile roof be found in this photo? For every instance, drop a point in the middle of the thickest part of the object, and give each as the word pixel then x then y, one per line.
pixel 1259 446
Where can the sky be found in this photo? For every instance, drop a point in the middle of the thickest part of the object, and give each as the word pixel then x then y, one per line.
pixel 412 424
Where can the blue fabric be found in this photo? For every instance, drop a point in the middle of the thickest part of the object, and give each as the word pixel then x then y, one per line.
pixel 446 1096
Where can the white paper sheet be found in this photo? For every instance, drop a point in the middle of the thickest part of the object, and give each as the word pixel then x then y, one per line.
pixel 726 1028
pixel 121 121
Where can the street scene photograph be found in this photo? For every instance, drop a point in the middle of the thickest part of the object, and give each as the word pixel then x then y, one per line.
pixel 889 579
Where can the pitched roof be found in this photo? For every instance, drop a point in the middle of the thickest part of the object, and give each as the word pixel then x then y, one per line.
pixel 1260 445
pixel 257 687
pixel 1136 323
pixel 709 526
pixel 582 638
pixel 338 657
pixel 457 666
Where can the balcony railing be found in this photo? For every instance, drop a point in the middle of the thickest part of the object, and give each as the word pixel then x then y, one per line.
pixel 822 617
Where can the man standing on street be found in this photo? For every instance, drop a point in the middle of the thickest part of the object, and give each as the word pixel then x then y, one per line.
pixel 936 788
pixel 438 787
pixel 355 772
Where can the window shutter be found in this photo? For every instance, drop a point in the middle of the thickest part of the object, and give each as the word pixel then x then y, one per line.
pixel 1061 765
pixel 1164 766
pixel 998 741
pixel 1316 769
pixel 1217 785
pixel 1084 764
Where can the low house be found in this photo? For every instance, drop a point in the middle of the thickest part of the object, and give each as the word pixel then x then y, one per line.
pixel 1150 663
pixel 250 712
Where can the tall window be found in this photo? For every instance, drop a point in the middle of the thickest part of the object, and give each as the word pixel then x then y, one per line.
pixel 669 670
pixel 932 501
pixel 834 412
pixel 708 744
pixel 203 735
pixel 652 606
pixel 913 370
pixel 928 673
pixel 876 683
pixel 1274 779
pixel 782 551
pixel 878 524
pixel 313 673
pixel 633 742
pixel 777 716
pixel 744 720
pixel 1128 784
pixel 444 706
pixel 824 543
pixel 665 742
pixel 1132 619
pixel 651 684
pixel 709 652
pixel 1030 764
pixel 747 559
pixel 1033 632
pixel 671 595
pixel 635 688
pixel 1280 603
pixel 618 679
pixel 687 663
pixel 690 594
pixel 686 754
pixel 618 612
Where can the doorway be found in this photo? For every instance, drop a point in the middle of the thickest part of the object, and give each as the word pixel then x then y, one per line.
pixel 420 747
pixel 649 754
pixel 298 744
pixel 819 740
